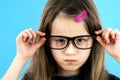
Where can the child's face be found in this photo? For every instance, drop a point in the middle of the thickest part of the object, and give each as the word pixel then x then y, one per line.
pixel 70 58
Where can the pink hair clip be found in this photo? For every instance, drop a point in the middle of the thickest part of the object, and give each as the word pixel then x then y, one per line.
pixel 80 17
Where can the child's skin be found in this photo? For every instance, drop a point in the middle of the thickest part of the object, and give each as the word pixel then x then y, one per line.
pixel 110 41
pixel 68 27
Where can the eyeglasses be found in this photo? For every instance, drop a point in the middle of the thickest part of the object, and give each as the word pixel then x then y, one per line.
pixel 80 42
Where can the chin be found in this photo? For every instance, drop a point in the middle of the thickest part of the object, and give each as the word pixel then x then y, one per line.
pixel 71 68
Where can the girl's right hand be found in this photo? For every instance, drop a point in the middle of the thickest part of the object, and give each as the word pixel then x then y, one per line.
pixel 25 49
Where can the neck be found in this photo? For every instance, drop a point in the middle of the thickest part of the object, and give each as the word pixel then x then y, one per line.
pixel 67 72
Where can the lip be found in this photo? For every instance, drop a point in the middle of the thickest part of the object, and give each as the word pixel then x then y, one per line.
pixel 70 60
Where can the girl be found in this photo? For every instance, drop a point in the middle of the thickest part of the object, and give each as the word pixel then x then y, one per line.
pixel 68 45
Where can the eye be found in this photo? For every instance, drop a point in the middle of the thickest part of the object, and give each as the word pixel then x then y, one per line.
pixel 60 40
pixel 80 40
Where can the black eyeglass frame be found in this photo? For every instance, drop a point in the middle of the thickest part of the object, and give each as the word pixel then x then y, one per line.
pixel 71 39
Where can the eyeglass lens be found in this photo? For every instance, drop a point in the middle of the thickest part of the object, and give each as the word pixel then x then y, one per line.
pixel 61 42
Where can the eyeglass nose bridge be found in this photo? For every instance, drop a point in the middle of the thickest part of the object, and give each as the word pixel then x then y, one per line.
pixel 68 41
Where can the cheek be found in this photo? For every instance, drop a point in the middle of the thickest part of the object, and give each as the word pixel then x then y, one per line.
pixel 80 54
pixel 84 55
pixel 56 54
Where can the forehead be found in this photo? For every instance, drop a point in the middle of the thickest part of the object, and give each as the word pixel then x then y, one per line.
pixel 66 26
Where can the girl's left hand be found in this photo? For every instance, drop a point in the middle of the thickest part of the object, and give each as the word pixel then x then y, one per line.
pixel 110 40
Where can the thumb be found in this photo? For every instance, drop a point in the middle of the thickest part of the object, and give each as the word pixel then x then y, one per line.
pixel 40 42
pixel 101 41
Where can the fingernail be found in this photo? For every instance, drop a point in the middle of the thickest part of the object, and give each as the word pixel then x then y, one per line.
pixel 43 33
pixel 96 32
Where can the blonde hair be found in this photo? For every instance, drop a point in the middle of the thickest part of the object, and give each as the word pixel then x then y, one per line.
pixel 43 66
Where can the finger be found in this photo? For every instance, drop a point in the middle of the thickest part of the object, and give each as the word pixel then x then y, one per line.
pixel 40 42
pixel 39 33
pixel 20 37
pixel 117 34
pixel 33 34
pixel 25 36
pixel 99 32
pixel 29 35
pixel 101 41
pixel 113 34
pixel 107 36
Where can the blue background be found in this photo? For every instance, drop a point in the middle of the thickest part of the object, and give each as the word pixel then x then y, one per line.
pixel 17 15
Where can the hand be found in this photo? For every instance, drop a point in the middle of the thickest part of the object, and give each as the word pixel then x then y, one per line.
pixel 25 49
pixel 110 40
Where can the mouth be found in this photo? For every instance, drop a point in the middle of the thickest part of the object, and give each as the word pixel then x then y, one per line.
pixel 70 60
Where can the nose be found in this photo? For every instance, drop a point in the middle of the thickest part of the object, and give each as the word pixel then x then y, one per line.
pixel 70 49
